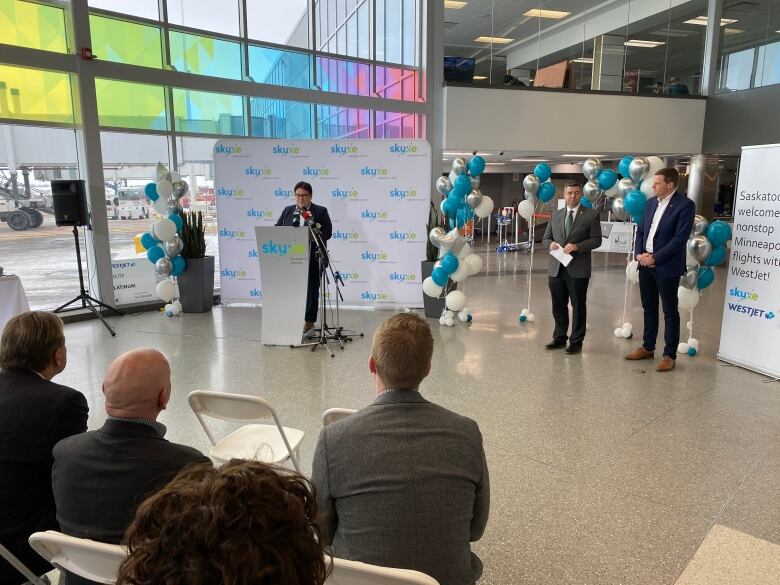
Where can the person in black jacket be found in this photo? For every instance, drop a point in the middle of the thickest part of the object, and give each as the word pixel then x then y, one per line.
pixel 35 413
pixel 100 477
pixel 292 215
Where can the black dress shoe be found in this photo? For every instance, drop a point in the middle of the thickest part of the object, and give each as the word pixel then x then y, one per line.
pixel 555 345
pixel 572 349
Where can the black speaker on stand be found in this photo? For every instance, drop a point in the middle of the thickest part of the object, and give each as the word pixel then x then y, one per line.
pixel 70 209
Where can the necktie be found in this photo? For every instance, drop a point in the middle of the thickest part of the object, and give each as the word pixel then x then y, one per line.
pixel 569 221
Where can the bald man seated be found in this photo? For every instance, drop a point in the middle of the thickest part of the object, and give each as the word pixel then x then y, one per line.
pixel 99 477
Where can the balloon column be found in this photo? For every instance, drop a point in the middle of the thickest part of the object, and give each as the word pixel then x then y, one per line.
pixel 707 247
pixel 462 202
pixel 538 187
pixel 162 244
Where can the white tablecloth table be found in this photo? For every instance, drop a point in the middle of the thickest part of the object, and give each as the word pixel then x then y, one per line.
pixel 12 298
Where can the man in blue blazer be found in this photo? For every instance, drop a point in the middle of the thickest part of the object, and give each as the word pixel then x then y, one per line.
pixel 661 239
pixel 292 215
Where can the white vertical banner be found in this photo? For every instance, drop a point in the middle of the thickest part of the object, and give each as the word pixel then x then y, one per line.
pixel 750 331
pixel 377 193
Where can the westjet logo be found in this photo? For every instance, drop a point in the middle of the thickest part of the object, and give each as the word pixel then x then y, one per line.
pixel 375 296
pixel 227 150
pixel 312 172
pixel 751 311
pixel 743 294
pixel 367 171
pixel 280 150
pixel 373 215
pixel 341 149
pixel 251 171
pixel 402 194
pixel 402 277
pixel 283 193
pixel 403 149
pixel 402 236
pixel 225 193
pixel 345 236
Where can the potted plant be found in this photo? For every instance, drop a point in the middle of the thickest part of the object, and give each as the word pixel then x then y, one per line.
pixel 196 283
pixel 434 307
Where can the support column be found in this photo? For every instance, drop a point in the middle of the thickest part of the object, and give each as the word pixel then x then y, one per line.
pixel 433 73
pixel 703 184
pixel 709 73
pixel 608 58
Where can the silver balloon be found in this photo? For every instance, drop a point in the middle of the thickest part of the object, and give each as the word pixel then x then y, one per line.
pixel 173 247
pixel 639 168
pixel 435 236
pixel 474 198
pixel 163 267
pixel 624 186
pixel 592 191
pixel 453 176
pixel 700 225
pixel 174 206
pixel 618 210
pixel 531 184
pixel 443 186
pixel 475 182
pixel 459 166
pixel 700 248
pixel 690 278
pixel 591 168
pixel 180 189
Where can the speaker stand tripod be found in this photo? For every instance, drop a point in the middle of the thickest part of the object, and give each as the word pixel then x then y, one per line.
pixel 83 296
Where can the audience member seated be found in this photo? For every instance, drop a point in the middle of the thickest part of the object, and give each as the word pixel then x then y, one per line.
pixel 403 482
pixel 35 413
pixel 247 523
pixel 100 477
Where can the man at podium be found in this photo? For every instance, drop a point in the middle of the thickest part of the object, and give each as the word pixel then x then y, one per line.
pixel 300 214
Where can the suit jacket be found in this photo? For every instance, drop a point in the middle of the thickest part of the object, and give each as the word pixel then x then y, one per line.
pixel 319 213
pixel 585 232
pixel 671 235
pixel 404 483
pixel 34 415
pixel 100 477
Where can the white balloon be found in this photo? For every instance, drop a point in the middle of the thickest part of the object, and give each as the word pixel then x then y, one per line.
pixel 462 273
pixel 164 189
pixel 647 186
pixel 485 207
pixel 682 348
pixel 656 164
pixel 618 332
pixel 160 170
pixel 694 343
pixel 176 307
pixel 463 316
pixel 524 313
pixel 531 317
pixel 464 251
pixel 449 322
pixel 166 290
pixel 628 326
pixel 448 313
pixel 526 209
pixel 430 288
pixel 632 272
pixel 164 229
pixel 456 300
pixel 612 192
pixel 442 320
pixel 174 177
pixel 687 299
pixel 474 262
pixel 626 332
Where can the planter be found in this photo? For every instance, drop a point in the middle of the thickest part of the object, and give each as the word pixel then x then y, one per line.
pixel 196 285
pixel 433 307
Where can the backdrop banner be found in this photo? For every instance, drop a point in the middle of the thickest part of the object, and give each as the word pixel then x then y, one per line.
pixel 750 332
pixel 377 193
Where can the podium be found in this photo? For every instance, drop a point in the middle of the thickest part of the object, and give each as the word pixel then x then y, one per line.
pixel 284 272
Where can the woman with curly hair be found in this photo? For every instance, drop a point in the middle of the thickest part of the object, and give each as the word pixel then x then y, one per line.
pixel 246 523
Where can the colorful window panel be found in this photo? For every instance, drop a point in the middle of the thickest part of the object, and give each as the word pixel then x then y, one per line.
pixel 35 26
pixel 131 105
pixel 126 42
pixel 35 95
pixel 205 55
pixel 208 113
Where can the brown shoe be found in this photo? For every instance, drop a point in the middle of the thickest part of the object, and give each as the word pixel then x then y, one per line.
pixel 665 365
pixel 308 326
pixel 640 353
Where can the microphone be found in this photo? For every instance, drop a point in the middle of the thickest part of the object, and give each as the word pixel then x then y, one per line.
pixel 308 218
pixel 296 217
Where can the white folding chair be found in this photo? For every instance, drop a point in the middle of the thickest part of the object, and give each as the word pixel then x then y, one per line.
pixel 335 414
pixel 270 443
pixel 96 561
pixel 354 573
pixel 20 566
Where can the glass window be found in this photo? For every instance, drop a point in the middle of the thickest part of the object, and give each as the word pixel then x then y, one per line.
pixel 126 42
pixel 768 66
pixel 221 17
pixel 131 105
pixel 36 26
pixel 409 32
pixel 380 29
pixel 334 122
pixel 393 31
pixel 281 119
pixel 341 40
pixel 397 125
pixel 142 8
pixel 208 113
pixel 36 95
pixel 342 76
pixel 283 23
pixel 395 83
pixel 352 38
pixel 332 23
pixel 277 67
pixel 737 70
pixel 205 55
pixel 364 31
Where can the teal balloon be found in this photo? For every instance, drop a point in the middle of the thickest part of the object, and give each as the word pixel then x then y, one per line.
pixel 606 178
pixel 585 202
pixel 718 233
pixel 546 192
pixel 543 171
pixel 634 203
pixel 155 253
pixel 176 218
pixel 623 166
pixel 439 276
pixel 443 206
pixel 147 241
pixel 449 263
pixel 522 318
pixel 692 351
pixel 717 256
pixel 706 277
pixel 150 190
pixel 462 185
pixel 476 166
pixel 179 265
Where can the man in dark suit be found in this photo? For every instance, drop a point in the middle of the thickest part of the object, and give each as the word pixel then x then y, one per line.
pixel 35 413
pixel 661 238
pixel 295 215
pixel 403 482
pixel 100 477
pixel 576 230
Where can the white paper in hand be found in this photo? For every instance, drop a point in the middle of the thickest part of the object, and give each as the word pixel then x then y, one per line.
pixel 561 256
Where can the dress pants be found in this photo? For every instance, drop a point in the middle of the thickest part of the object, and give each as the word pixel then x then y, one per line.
pixel 651 286
pixel 312 290
pixel 564 288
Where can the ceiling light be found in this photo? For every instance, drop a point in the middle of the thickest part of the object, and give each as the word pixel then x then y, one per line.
pixel 479 77
pixel 536 13
pixel 494 164
pixel 454 4
pixel 496 40
pixel 643 44
pixel 583 60
pixel 732 31
pixel 458 154
pixel 702 20
pixel 530 160
pixel 582 155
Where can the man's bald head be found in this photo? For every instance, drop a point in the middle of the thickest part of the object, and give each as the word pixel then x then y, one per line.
pixel 137 384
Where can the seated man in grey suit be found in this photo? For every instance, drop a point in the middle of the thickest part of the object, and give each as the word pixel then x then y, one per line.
pixel 101 476
pixel 403 482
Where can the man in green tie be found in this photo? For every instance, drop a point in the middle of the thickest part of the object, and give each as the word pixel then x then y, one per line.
pixel 576 230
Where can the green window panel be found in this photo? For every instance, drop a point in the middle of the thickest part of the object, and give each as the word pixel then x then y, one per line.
pixel 277 67
pixel 208 113
pixel 126 42
pixel 35 26
pixel 131 105
pixel 205 56
pixel 36 95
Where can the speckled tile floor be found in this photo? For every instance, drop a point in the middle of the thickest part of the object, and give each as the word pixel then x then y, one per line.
pixel 603 471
